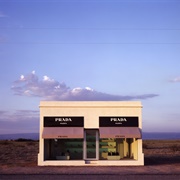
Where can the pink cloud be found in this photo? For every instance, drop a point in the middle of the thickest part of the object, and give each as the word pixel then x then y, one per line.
pixel 50 89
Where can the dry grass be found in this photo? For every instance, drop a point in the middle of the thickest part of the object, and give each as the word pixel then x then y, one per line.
pixel 161 152
pixel 17 153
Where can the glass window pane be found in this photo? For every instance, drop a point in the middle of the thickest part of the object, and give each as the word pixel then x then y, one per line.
pixel 91 143
pixel 117 149
pixel 63 149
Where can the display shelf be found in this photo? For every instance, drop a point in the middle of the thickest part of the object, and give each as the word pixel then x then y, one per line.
pixel 107 144
pixel 107 140
pixel 62 157
pixel 106 147
pixel 113 157
pixel 74 145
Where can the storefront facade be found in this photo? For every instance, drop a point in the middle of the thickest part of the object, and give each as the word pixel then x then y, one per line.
pixel 81 133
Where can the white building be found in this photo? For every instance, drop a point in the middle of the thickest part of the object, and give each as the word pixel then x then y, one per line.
pixel 81 133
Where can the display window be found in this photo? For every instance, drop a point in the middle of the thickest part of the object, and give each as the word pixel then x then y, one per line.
pixel 117 148
pixel 63 149
pixel 109 148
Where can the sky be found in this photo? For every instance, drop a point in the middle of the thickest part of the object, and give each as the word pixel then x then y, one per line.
pixel 104 50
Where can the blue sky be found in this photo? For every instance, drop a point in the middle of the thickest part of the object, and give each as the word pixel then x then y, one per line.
pixel 89 50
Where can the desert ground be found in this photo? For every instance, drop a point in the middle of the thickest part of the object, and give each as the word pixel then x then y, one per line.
pixel 162 157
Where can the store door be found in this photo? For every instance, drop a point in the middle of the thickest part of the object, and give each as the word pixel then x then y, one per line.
pixel 91 145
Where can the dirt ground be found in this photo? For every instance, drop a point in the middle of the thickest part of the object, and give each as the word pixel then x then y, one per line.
pixel 20 157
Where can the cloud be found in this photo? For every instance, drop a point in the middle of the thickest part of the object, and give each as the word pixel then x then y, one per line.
pixel 175 80
pixel 20 121
pixel 50 89
pixel 18 115
pixel 2 113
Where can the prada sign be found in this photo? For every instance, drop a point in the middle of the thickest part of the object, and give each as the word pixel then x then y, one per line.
pixel 118 122
pixel 63 121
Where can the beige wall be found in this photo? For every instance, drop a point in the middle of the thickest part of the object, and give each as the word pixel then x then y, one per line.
pixel 134 148
pixel 91 111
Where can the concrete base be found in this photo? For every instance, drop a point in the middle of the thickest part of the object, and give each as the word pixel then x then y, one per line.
pixel 130 162
pixel 98 163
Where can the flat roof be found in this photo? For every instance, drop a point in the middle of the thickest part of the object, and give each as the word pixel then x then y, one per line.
pixel 133 104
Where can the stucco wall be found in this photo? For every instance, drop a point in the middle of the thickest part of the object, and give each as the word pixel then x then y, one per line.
pixel 91 111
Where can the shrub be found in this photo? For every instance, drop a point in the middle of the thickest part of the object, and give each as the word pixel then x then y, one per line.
pixel 23 140
pixel 145 146
pixel 31 143
pixel 4 142
pixel 174 148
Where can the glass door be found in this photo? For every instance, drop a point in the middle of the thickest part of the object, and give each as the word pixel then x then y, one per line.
pixel 91 145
